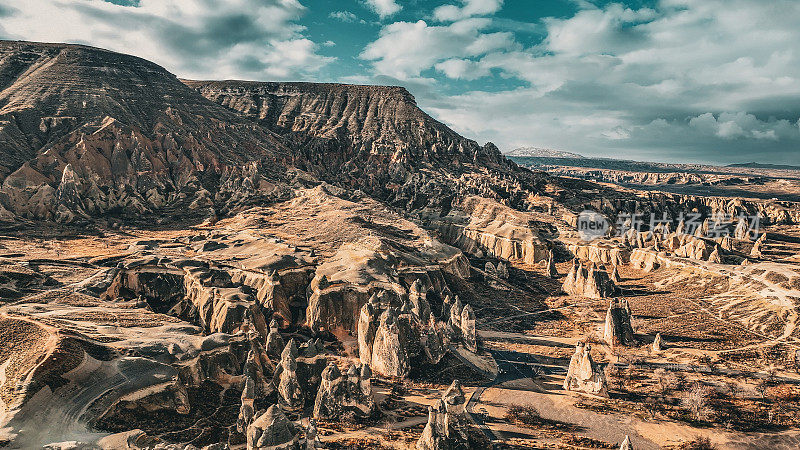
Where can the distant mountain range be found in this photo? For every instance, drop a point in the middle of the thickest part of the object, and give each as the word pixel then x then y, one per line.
pixel 755 165
pixel 537 152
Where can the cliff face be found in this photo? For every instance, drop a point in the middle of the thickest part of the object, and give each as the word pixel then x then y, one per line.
pixel 114 132
pixel 352 123
pixel 373 138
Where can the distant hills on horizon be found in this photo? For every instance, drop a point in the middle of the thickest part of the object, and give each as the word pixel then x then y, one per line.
pixel 755 165
pixel 541 152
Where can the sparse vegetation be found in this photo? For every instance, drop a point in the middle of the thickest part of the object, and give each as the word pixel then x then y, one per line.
pixel 695 400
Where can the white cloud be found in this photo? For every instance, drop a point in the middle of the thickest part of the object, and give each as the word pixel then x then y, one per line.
pixel 664 76
pixel 462 69
pixel 424 46
pixel 470 8
pixel 742 125
pixel 193 38
pixel 343 16
pixel 384 8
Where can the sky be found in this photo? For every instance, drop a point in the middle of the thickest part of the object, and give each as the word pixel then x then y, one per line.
pixel 691 81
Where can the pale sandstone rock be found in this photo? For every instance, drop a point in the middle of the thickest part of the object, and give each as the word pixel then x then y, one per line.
pixel 742 230
pixel 591 283
pixel 367 328
pixel 433 345
pixel 614 276
pixel 618 329
pixel 601 252
pixel 468 331
pixel 342 395
pixel 272 431
pixel 389 354
pixel 312 441
pixel 726 243
pixel 657 345
pixel 714 257
pixel 446 427
pixel 290 394
pixel 417 295
pixel 583 375
pixel 482 224
pixel 755 252
pixel 645 260
pixel 275 343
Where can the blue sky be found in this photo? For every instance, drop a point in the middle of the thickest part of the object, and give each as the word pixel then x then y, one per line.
pixel 666 80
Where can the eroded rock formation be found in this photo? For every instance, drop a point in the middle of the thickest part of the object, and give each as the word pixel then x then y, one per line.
pixel 446 427
pixel 272 430
pixel 389 350
pixel 583 374
pixel 345 396
pixel 590 282
pixel 618 329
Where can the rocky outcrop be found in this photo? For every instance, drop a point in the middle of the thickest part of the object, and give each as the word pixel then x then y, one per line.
pixel 131 361
pixel 368 322
pixel 275 343
pixel 645 260
pixel 446 427
pixel 389 351
pixel 290 394
pixel 590 282
pixel 392 340
pixel 221 306
pixel 686 246
pixel 626 444
pixel 269 292
pixel 618 329
pixel 583 375
pixel 755 252
pixel 345 396
pixel 657 345
pixel 346 281
pixel 418 296
pixel 482 225
pixel 469 333
pixel 271 430
pixel 614 276
pixel 714 256
pixel 550 269
pixel 601 252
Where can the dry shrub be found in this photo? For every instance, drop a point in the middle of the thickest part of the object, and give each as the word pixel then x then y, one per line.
pixel 695 401
pixel 783 393
pixel 528 416
pixel 523 415
pixel 700 443
pixel 585 442
pixel 666 380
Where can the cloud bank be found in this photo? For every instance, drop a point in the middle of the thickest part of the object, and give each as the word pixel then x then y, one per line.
pixel 693 80
pixel 193 38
